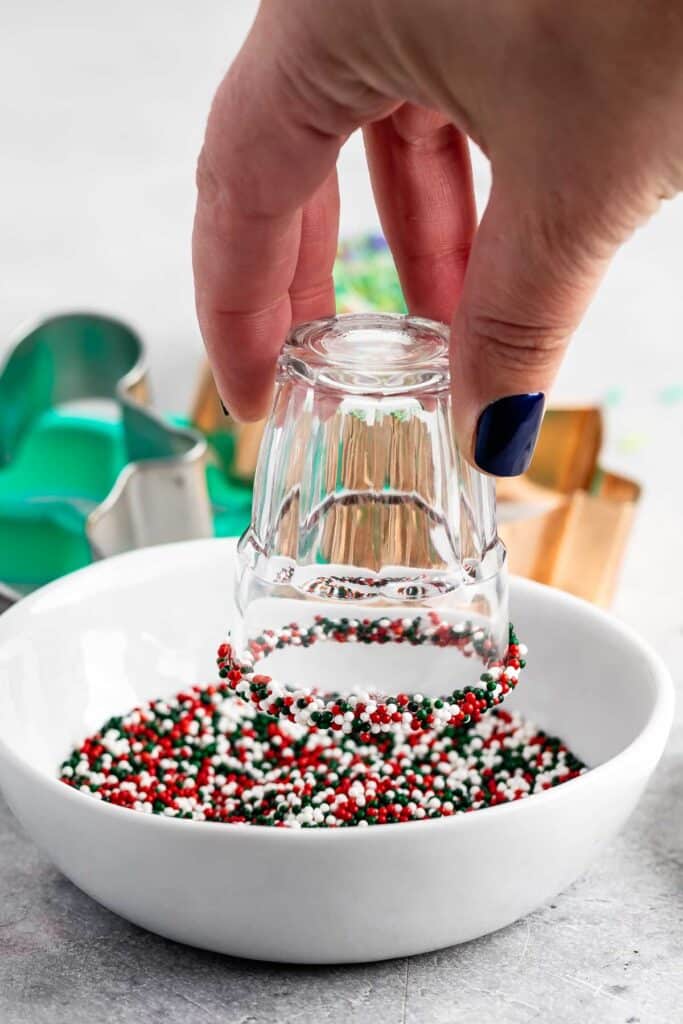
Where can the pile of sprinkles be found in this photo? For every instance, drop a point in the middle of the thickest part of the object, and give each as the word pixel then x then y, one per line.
pixel 361 713
pixel 210 756
pixel 230 752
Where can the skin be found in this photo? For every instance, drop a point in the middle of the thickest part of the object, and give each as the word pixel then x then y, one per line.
pixel 579 108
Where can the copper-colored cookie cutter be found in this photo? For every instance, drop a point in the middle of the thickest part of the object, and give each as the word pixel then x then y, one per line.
pixel 567 522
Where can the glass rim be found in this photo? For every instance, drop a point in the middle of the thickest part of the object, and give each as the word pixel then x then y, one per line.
pixel 393 355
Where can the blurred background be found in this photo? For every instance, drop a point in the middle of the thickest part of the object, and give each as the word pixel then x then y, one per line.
pixel 102 111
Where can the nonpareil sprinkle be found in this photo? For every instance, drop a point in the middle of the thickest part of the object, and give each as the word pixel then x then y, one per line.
pixel 365 714
pixel 209 755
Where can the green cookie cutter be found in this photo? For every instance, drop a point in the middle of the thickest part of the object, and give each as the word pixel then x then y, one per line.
pixel 87 470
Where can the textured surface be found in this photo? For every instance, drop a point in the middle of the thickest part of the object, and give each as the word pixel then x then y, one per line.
pixel 101 121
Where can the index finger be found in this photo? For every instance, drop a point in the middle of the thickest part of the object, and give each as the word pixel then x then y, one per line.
pixel 260 162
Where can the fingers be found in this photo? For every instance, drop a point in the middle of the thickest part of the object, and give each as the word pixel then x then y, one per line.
pixel 261 161
pixel 528 283
pixel 312 288
pixel 422 180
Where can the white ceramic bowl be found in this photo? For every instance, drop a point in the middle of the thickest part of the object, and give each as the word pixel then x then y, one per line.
pixel 147 624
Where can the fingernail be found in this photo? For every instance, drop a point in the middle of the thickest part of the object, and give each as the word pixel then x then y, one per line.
pixel 507 432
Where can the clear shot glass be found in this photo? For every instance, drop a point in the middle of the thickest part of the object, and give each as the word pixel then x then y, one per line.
pixel 372 564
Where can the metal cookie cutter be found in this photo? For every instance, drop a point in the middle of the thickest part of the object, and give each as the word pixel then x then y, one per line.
pixel 151 492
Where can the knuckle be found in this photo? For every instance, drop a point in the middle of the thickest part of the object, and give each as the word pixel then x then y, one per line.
pixel 516 344
pixel 457 253
pixel 314 291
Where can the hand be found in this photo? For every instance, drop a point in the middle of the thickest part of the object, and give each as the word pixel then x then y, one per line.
pixel 578 108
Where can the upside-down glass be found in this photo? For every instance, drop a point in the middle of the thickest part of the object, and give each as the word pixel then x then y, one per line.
pixel 364 510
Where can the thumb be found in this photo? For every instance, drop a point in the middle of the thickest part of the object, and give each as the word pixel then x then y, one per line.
pixel 528 282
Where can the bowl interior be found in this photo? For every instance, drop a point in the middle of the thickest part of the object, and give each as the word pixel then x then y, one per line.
pixel 147 624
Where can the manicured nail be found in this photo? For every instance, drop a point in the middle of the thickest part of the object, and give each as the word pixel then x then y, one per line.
pixel 507 432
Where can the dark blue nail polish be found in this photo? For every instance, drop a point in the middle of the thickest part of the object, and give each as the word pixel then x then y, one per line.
pixel 507 432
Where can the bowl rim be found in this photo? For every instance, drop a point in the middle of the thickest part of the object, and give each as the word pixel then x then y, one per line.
pixel 655 730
